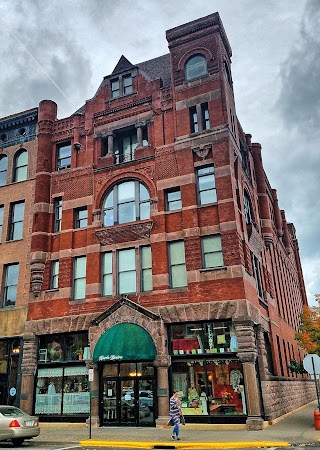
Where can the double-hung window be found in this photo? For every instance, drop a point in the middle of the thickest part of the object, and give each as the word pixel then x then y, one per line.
pixel 1 220
pixel 16 221
pixel 146 268
pixel 173 199
pixel 127 275
pixel 3 169
pixel 20 169
pixel 212 251
pixel 177 264
pixel 57 213
pixel 64 156
pixel 107 278
pixel 54 279
pixel 79 277
pixel 206 185
pixel 121 86
pixel 248 214
pixel 257 274
pixel 199 118
pixel 81 217
pixel 10 284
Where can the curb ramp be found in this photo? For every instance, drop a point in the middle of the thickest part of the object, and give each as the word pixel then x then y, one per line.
pixel 182 445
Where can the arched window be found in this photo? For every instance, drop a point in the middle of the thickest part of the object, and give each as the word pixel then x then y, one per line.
pixel 20 168
pixel 127 202
pixel 248 212
pixel 3 169
pixel 196 67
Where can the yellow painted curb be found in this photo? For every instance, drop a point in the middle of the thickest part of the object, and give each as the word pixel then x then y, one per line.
pixel 181 445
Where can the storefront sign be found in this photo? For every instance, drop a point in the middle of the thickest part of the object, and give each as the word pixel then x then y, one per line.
pixel 162 392
pixel 110 358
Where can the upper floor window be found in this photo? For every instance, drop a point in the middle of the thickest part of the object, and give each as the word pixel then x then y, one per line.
pixel 127 271
pixel 20 166
pixel 106 282
pixel 10 284
pixel 173 199
pixel 206 185
pixel 81 217
pixel 196 67
pixel 57 215
pixel 127 202
pixel 146 268
pixel 3 169
pixel 199 118
pixel 227 73
pixel 54 279
pixel 79 277
pixel 212 251
pixel 64 156
pixel 257 274
pixel 1 219
pixel 126 141
pixel 121 86
pixel 248 214
pixel 177 264
pixel 16 221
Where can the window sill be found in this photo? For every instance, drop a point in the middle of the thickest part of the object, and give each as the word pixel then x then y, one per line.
pixel 173 211
pixel 210 269
pixel 52 290
pixel 208 204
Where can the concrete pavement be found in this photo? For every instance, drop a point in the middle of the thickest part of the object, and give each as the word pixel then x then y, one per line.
pixel 297 428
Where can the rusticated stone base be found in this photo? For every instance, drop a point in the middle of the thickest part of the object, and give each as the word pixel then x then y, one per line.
pixel 254 423
pixel 161 422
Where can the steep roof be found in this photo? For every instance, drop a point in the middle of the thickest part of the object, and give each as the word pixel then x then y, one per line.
pixel 156 68
pixel 123 65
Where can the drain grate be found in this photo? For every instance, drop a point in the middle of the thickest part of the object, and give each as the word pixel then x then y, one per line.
pixel 164 446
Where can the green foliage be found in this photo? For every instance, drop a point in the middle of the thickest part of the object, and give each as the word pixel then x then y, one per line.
pixel 296 366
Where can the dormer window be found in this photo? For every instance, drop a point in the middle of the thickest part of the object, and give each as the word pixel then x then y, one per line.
pixel 196 67
pixel 121 86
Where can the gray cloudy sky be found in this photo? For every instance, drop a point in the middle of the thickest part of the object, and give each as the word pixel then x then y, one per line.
pixel 276 73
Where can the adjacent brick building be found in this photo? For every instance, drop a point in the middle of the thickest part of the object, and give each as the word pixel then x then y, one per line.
pixel 18 153
pixel 159 255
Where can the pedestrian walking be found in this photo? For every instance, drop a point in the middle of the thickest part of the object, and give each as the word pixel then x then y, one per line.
pixel 175 415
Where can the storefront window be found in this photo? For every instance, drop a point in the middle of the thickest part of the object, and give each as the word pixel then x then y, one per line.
pixel 209 387
pixel 62 391
pixel 200 338
pixel 66 347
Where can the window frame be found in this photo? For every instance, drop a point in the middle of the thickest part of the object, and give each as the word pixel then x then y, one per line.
pixel 212 252
pixel 4 173
pixel 115 204
pixel 78 277
pixel 189 67
pixel 104 274
pixel 12 229
pixel 7 286
pixel 200 191
pixel 123 89
pixel 59 147
pixel 169 202
pixel 78 220
pixel 57 214
pixel 17 168
pixel 54 274
pixel 171 265
pixel 1 220
pixel 145 269
pixel 132 270
pixel 248 210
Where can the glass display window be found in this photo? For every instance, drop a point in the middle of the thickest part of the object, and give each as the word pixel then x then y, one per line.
pixel 63 347
pixel 62 391
pixel 203 338
pixel 209 387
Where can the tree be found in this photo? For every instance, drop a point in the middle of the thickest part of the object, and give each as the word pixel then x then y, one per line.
pixel 308 336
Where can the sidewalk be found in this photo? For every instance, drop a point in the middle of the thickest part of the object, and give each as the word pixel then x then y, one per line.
pixel 295 429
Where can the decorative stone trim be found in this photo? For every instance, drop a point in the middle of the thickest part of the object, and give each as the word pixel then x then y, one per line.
pixel 37 271
pixel 202 150
pixel 124 233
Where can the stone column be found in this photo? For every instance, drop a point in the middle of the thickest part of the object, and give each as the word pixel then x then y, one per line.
pixel 247 353
pixel 139 134
pixel 110 142
pixel 28 369
pixel 162 363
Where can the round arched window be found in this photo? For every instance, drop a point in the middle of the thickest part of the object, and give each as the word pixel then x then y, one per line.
pixel 196 67
pixel 126 202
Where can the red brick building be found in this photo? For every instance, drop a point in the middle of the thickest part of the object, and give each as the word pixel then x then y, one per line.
pixel 159 252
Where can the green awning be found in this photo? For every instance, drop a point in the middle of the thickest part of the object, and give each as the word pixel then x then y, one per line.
pixel 124 342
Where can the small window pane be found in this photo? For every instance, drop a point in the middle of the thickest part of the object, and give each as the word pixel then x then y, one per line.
pixel 196 67
pixel 127 212
pixel 179 276
pixel 81 266
pixel 127 282
pixel 127 259
pixel 126 191
pixel 109 201
pixel 79 289
pixel 3 170
pixel 177 255
pixel 107 274
pixel 144 211
pixel 144 194
pixel 174 200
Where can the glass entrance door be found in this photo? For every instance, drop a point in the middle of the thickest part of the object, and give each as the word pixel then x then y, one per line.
pixel 109 402
pixel 128 402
